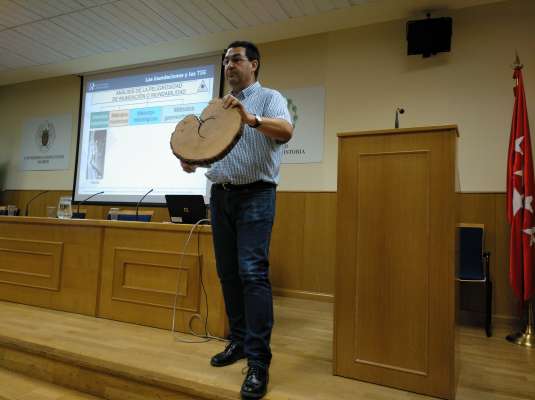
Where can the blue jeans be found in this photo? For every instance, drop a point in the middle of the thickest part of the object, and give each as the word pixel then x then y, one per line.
pixel 242 221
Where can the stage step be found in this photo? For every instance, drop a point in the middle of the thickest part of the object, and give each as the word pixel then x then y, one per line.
pixel 109 359
pixel 118 361
pixel 14 386
pixel 105 379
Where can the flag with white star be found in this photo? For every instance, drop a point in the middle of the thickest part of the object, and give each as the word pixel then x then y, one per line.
pixel 520 189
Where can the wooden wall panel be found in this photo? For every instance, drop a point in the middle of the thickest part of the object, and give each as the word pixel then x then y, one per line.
pixel 304 240
pixel 31 263
pixel 152 278
pixel 141 269
pixel 69 258
pixel 319 242
pixel 505 303
pixel 303 245
pixel 286 251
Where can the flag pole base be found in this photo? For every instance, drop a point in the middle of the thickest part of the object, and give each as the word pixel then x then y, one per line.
pixel 525 338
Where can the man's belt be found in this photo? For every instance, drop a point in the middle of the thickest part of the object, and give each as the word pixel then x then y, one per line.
pixel 253 185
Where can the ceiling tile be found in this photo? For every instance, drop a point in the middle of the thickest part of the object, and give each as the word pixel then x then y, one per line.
pixel 284 9
pixel 213 14
pixel 245 13
pixel 10 59
pixel 340 3
pixel 324 5
pixel 153 20
pixel 307 6
pixel 29 48
pixel 258 7
pixel 77 23
pixel 93 3
pixel 49 8
pixel 229 13
pixel 64 42
pixel 126 24
pixel 199 16
pixel 14 14
pixel 118 11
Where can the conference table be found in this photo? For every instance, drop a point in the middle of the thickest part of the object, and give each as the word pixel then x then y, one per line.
pixel 138 272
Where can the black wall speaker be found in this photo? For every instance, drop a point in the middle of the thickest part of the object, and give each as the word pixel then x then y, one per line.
pixel 429 36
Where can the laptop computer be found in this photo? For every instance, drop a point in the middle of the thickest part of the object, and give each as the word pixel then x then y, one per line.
pixel 185 208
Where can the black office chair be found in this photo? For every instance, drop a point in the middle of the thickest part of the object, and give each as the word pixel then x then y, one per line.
pixel 474 264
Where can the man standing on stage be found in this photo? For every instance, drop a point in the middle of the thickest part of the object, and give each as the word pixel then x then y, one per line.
pixel 242 208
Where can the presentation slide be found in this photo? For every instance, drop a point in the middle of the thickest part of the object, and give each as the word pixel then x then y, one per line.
pixel 127 121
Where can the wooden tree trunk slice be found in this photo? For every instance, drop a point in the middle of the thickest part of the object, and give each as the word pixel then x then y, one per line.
pixel 209 138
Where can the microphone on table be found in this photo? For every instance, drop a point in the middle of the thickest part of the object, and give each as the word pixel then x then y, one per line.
pixel 27 209
pixel 83 201
pixel 398 111
pixel 139 202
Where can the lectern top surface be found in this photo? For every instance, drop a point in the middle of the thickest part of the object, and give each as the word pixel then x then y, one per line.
pixel 420 129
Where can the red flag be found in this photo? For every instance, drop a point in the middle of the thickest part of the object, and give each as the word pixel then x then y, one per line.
pixel 520 203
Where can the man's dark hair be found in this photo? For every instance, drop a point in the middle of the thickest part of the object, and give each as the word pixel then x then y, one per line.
pixel 251 51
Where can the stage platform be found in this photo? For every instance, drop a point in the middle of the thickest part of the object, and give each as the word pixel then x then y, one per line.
pixel 14 386
pixel 121 361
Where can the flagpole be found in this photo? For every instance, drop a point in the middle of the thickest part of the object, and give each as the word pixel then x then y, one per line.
pixel 526 337
pixel 517 63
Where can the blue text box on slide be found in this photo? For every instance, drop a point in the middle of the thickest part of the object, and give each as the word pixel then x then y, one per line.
pixel 144 116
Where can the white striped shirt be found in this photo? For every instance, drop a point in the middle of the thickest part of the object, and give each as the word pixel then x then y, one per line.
pixel 255 157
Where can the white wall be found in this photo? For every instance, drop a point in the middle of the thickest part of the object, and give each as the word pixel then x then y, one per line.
pixel 31 100
pixel 366 74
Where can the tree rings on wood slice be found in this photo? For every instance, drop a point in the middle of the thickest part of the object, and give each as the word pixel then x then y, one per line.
pixel 209 138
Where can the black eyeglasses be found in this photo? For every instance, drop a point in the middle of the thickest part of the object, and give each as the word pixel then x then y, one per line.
pixel 235 59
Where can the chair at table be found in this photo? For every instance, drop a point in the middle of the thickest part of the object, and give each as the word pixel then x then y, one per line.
pixel 4 211
pixel 473 264
pixel 130 215
pixel 79 214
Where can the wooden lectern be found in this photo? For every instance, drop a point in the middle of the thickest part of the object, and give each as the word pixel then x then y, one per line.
pixel 395 285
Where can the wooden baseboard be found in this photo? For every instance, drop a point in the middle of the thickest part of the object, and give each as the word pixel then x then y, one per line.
pixel 466 317
pixel 302 294
pixel 506 321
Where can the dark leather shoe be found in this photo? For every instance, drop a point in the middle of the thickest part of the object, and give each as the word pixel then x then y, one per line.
pixel 232 353
pixel 255 383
